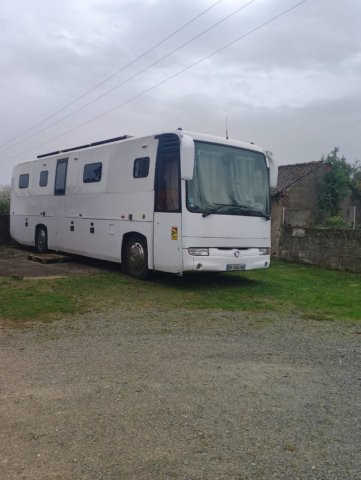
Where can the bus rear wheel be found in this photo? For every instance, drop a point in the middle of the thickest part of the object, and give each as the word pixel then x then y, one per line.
pixel 136 257
pixel 41 240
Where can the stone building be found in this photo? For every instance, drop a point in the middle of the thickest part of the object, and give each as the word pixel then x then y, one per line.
pixel 297 191
pixel 295 200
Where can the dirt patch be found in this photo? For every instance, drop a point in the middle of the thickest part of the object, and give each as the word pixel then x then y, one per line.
pixel 14 261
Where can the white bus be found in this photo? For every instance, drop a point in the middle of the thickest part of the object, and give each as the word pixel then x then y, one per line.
pixel 174 202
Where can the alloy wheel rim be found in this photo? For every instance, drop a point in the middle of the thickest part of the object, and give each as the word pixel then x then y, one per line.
pixel 136 256
pixel 42 238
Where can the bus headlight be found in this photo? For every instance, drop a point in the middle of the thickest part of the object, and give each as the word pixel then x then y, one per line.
pixel 199 252
pixel 264 251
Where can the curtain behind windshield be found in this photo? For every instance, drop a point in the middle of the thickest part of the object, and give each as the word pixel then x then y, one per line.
pixel 228 175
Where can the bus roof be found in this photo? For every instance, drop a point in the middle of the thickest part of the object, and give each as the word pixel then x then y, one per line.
pixel 196 136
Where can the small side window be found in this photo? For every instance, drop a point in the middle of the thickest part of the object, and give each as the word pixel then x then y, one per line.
pixel 24 180
pixel 60 176
pixel 141 167
pixel 92 172
pixel 43 178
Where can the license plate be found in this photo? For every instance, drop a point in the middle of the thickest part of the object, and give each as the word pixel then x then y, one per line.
pixel 235 266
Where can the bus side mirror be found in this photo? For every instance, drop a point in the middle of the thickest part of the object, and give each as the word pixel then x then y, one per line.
pixel 187 157
pixel 273 170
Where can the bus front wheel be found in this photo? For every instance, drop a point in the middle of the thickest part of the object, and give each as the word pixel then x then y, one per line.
pixel 136 257
pixel 41 240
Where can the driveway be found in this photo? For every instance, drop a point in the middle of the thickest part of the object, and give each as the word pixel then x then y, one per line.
pixel 180 395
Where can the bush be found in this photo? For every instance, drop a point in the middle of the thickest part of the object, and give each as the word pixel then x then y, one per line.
pixel 4 200
pixel 335 222
pixel 336 184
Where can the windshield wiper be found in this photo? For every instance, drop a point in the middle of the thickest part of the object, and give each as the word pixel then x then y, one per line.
pixel 215 209
pixel 239 208
pixel 251 211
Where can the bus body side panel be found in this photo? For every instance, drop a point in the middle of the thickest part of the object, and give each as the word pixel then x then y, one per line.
pixel 30 206
pixel 91 218
pixel 97 215
pixel 105 242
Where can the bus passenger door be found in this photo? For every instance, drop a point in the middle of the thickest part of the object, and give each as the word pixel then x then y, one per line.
pixel 167 241
pixel 59 202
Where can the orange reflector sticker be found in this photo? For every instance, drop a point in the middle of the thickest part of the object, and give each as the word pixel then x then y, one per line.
pixel 174 233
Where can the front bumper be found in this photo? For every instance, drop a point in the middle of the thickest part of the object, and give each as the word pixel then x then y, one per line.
pixel 223 260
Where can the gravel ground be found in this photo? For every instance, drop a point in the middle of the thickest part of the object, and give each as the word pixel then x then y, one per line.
pixel 180 395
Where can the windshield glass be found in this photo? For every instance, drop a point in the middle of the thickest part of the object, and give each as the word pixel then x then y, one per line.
pixel 228 180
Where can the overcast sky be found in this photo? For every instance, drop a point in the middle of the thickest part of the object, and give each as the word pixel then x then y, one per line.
pixel 293 87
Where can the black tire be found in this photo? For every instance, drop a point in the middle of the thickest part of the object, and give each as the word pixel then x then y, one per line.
pixel 136 257
pixel 41 240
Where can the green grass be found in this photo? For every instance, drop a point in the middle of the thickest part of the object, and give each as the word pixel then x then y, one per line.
pixel 284 288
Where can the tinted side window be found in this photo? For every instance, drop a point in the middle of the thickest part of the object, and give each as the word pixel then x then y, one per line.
pixel 60 176
pixel 167 175
pixel 141 167
pixel 168 186
pixel 92 172
pixel 24 180
pixel 43 178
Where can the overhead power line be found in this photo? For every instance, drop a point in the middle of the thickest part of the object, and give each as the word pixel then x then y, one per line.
pixel 82 107
pixel 167 79
pixel 124 67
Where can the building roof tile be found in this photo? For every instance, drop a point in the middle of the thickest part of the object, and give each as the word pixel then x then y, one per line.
pixel 290 174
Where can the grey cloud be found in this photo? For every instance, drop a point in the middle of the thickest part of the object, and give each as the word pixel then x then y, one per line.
pixel 293 86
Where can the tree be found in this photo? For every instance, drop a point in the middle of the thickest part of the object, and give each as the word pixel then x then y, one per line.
pixel 336 184
pixel 4 200
pixel 355 184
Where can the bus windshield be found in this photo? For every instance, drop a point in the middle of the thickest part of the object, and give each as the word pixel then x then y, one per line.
pixel 228 180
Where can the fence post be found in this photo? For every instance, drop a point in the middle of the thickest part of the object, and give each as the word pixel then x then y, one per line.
pixel 354 217
pixel 283 215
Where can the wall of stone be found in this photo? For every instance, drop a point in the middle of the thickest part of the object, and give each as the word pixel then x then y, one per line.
pixel 346 210
pixel 277 204
pixel 4 229
pixel 303 195
pixel 337 249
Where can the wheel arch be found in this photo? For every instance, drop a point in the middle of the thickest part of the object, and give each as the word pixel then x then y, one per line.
pixel 41 247
pixel 125 239
pixel 38 227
